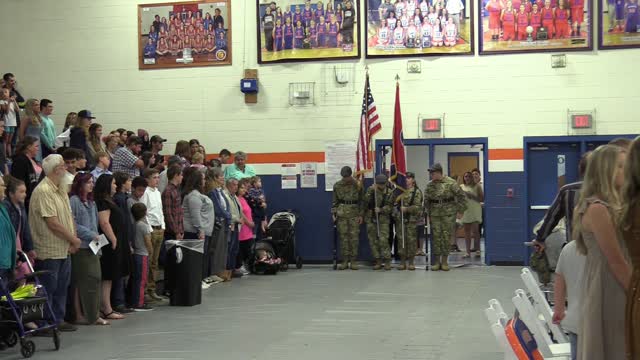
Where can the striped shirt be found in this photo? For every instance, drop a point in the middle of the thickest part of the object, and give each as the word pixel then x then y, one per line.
pixel 49 200
pixel 562 207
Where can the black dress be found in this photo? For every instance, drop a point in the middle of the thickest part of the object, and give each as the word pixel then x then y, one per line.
pixel 114 263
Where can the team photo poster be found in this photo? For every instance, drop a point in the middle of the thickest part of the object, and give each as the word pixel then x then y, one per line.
pixel 184 34
pixel 419 27
pixel 619 24
pixel 304 30
pixel 514 26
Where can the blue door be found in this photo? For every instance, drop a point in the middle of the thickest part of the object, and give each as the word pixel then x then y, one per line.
pixel 549 167
pixel 592 145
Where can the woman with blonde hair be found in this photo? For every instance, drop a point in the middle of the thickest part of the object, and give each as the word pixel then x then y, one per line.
pixel 630 226
pixel 607 272
pixel 31 125
pixel 473 215
pixel 94 143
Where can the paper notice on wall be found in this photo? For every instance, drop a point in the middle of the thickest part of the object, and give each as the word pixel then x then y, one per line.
pixel 308 175
pixel 289 176
pixel 562 171
pixel 337 155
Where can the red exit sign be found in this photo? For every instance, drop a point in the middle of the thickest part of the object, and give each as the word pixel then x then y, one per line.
pixel 431 125
pixel 582 121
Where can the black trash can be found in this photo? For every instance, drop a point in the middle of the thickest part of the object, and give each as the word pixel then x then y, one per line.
pixel 183 271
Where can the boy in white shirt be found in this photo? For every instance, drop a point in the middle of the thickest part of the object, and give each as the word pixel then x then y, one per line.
pixel 568 287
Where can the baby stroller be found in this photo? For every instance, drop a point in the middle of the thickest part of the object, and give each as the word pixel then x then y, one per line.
pixel 281 230
pixel 15 313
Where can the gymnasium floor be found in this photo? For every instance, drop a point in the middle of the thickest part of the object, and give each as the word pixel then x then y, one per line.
pixel 313 313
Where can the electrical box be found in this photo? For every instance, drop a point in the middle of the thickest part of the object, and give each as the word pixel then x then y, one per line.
pixel 249 86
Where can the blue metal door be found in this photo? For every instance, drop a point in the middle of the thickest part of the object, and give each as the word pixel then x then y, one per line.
pixel 549 167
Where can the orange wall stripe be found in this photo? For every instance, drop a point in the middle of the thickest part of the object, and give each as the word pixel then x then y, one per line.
pixel 506 154
pixel 298 157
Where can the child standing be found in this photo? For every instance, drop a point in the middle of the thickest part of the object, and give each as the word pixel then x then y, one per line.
pixel 141 247
pixel 258 204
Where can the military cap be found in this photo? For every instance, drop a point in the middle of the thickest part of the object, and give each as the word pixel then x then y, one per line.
pixel 381 179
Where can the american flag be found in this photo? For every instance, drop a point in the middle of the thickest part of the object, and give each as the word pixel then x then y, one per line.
pixel 369 126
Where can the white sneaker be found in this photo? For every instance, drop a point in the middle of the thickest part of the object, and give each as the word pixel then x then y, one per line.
pixel 216 279
pixel 205 285
pixel 244 270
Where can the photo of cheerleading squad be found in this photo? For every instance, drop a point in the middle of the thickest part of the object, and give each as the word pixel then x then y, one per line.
pixel 173 33
pixel 619 23
pixel 517 25
pixel 403 27
pixel 301 29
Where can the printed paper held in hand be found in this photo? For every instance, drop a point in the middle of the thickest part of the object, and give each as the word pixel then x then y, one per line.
pixel 96 245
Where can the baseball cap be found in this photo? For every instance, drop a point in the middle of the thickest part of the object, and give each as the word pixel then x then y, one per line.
pixel 381 179
pixel 85 114
pixel 437 167
pixel 157 138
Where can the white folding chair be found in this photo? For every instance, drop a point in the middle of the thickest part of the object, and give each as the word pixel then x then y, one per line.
pixel 538 328
pixel 498 320
pixel 542 306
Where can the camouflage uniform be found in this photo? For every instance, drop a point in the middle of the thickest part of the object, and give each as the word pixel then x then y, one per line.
pixel 379 243
pixel 412 200
pixel 443 200
pixel 347 207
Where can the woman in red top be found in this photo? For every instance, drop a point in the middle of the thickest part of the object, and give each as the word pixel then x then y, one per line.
pixel 508 18
pixel 562 21
pixel 494 7
pixel 547 18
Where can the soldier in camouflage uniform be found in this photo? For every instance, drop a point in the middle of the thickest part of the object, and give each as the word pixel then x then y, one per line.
pixel 347 208
pixel 443 201
pixel 409 209
pixel 379 203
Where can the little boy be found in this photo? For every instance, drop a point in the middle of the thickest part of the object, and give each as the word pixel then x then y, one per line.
pixel 141 247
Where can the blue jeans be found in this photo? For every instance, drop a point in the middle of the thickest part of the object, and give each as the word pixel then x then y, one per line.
pixel 56 282
pixel 118 294
pixel 573 340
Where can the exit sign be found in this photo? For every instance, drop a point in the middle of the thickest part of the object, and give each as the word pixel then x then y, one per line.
pixel 581 121
pixel 431 125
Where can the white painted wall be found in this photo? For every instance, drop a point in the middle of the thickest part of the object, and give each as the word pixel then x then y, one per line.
pixel 83 54
pixel 418 163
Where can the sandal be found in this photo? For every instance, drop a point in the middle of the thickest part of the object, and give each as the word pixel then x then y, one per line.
pixel 112 315
pixel 102 322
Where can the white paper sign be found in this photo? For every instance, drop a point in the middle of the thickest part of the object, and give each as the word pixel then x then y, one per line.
pixel 289 181
pixel 96 245
pixel 337 155
pixel 308 175
pixel 289 169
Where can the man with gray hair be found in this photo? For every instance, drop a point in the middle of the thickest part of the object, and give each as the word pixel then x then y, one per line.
pixel 239 169
pixel 54 235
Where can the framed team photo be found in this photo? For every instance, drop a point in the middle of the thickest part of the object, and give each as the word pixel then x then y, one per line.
pixel 184 34
pixel 619 24
pixel 520 26
pixel 419 28
pixel 306 30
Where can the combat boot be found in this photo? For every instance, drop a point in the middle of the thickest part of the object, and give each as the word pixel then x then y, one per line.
pixel 436 266
pixel 344 265
pixel 377 265
pixel 403 264
pixel 411 265
pixel 445 263
pixel 354 265
pixel 387 264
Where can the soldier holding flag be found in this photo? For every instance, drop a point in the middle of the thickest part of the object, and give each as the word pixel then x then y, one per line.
pixel 379 203
pixel 409 209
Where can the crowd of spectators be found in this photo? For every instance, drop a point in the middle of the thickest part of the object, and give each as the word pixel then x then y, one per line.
pixel 61 191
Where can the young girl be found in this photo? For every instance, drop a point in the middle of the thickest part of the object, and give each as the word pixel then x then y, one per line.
pixel 437 35
pixel 432 16
pixel 246 235
pixel 16 193
pixel 332 32
pixel 319 13
pixel 398 36
pixel 426 31
pixel 175 46
pixel 392 22
pixel 508 19
pixel 210 44
pixel 9 109
pixel 339 14
pixel 424 7
pixel 562 21
pixel 278 36
pixel 411 7
pixel 329 13
pixel 383 33
pixel 322 32
pixel 523 22
pixel 400 8
pixel 494 7
pixel 450 34
pixel 258 203
pixel 299 35
pixel 313 34
pixel 404 21
pixel 307 14
pixel 141 247
pixel 288 34
pixel 547 18
pixel 633 17
pixel 417 18
pixel 412 35
pixel 297 15
pixel 279 15
pixel 287 16
pixel 535 20
pixel 187 42
pixel 198 44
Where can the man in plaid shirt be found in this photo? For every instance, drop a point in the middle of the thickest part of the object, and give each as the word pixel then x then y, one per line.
pixel 125 158
pixel 172 205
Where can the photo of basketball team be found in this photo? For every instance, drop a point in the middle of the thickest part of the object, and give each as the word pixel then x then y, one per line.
pixel 297 30
pixel 406 27
pixel 533 25
pixel 197 32
pixel 619 23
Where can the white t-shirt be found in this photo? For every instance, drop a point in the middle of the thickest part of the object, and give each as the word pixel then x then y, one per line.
pixel 10 117
pixel 571 266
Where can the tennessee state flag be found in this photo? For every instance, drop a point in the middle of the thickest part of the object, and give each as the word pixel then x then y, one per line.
pixel 398 158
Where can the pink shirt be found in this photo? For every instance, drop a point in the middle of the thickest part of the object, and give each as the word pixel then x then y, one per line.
pixel 246 233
